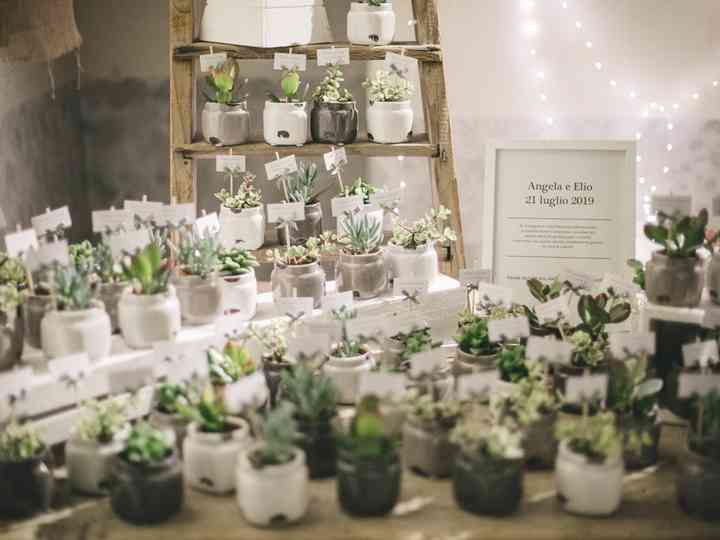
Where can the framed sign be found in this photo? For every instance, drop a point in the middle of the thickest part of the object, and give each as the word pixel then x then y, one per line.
pixel 553 205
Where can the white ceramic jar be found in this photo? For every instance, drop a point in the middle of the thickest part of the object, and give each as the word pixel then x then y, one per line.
pixel 89 462
pixel 585 488
pixel 285 124
pixel 240 296
pixel 71 332
pixel 275 494
pixel 244 229
pixel 201 299
pixel 390 121
pixel 209 458
pixel 225 124
pixel 371 25
pixel 345 374
pixel 146 319
pixel 418 264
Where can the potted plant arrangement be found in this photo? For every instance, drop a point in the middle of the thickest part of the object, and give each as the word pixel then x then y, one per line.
pixel 390 114
pixel 545 292
pixel 272 341
pixel 369 471
pixel 285 119
pixel 398 349
pixel 12 295
pixel 682 406
pixel 361 188
pixel 78 323
pixel 96 441
pixel 165 414
pixel 297 271
pixel 360 266
pixel 675 275
pixel 236 267
pixel 371 22
pixel 225 118
pixel 589 467
pixel 475 351
pixel 26 478
pixel 512 364
pixel 38 301
pixel 273 462
pixel 488 471
pixel 334 118
pixel 315 398
pixel 227 368
pixel 149 310
pixel 146 484
pixel 301 188
pixel 110 284
pixel 242 218
pixel 411 252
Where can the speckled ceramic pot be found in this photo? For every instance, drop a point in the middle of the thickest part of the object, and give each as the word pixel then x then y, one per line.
pixel 334 123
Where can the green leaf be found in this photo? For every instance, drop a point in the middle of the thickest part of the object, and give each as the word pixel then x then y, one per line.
pixel 656 233
pixel 649 388
pixel 536 288
pixel 620 313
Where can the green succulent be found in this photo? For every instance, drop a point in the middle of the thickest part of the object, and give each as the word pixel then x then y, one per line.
pixel 512 364
pixel 72 290
pixel 290 85
pixel 10 299
pixel 544 292
pixel 416 341
pixel 313 395
pixel 422 232
pixel 168 396
pixel 704 436
pixel 360 188
pixel 530 400
pixel 272 338
pixel 347 347
pixel 331 90
pixel 106 268
pixel 104 420
pixel 246 196
pixel 366 439
pixel 638 269
pixel 678 235
pixel 147 446
pixel 198 256
pixel 12 272
pixel 630 392
pixel 230 365
pixel 433 412
pixel 19 442
pixel 236 262
pixel 208 412
pixel 594 437
pixel 222 80
pixel 502 441
pixel 360 236
pixel 598 311
pixel 148 271
pixel 388 87
pixel 278 433
pixel 474 338
pixel 82 257
pixel 587 352
pixel 309 253
pixel 301 185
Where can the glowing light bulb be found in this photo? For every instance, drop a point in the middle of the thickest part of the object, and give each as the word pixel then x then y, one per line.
pixel 676 106
pixel 588 44
pixel 543 97
pixel 533 52
pixel 598 66
pixel 653 188
pixel 716 83
pixel 638 135
pixel 550 120
pixel 401 158
pixel 662 108
pixel 403 185
pixel 531 28
pixel 653 105
pixel 669 147
pixel 670 126
pixel 641 179
pixel 613 82
pixel 646 198
pixel 666 169
pixel 540 75
pixel 564 5
pixel 696 96
pixel 632 94
pixel 578 24
pixel 639 158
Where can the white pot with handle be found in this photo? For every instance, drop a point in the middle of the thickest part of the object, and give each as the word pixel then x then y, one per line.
pixel 390 122
pixel 371 25
pixel 244 228
pixel 285 124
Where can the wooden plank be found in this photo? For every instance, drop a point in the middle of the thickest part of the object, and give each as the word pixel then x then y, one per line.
pixel 423 53
pixel 427 28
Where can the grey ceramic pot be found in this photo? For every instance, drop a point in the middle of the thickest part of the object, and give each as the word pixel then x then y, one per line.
pixel 334 123
pixel 301 281
pixel 364 275
pixel 647 455
pixel 312 226
pixel 201 300
pixel 674 281
pixel 225 124
pixel 697 485
pixel 26 486
pixel 427 450
pixel 109 294
pixel 469 363
pixel 714 278
pixel 540 444
pixel 12 332
pixel 485 486
pixel 33 311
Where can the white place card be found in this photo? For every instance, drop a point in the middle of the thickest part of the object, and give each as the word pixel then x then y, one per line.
pixel 573 301
pixel 74 367
pixel 401 65
pixel 337 301
pixel 701 384
pixel 230 326
pixel 177 214
pixel 49 221
pixel 557 308
pixel 103 220
pixel 340 205
pixel 472 276
pixel 453 299
pixel 550 350
pixel 672 204
pixel 335 158
pixel 703 354
pixel 428 362
pixel 309 345
pixel 622 345
pixel 247 392
pixel 711 319
pixel 390 198
pixel 277 212
pixel 337 56
pixel 477 385
pixel 233 163
pixel 290 61
pixel 54 252
pixel 585 387
pixel 14 383
pixel 495 293
pixel 144 209
pixel 130 379
pixel 577 278
pixel 185 360
pixel 368 326
pixel 412 287
pixel 619 284
pixel 214 60
pixel 21 242
pixel 510 328
pixel 128 243
pixel 387 386
pixel 281 167
pixel 207 225
pixel 294 307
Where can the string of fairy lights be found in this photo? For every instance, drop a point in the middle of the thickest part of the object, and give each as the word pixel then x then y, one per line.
pixel 668 110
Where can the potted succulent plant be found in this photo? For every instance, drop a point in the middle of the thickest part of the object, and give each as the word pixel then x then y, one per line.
pixel 301 188
pixel 149 310
pixel 146 484
pixel 334 118
pixel 110 284
pixel 96 441
pixel 512 364
pixel 297 271
pixel 165 414
pixel 78 323
pixel 212 445
pixel 273 462
pixel 589 468
pixel 488 471
pixel 361 188
pixel 236 267
pixel 390 114
pixel 360 266
pixel 371 22
pixel 227 368
pixel 242 219
pixel 675 275
pixel 26 478
pixel 225 118
pixel 273 342
pixel 369 470
pixel 13 292
pixel 398 349
pixel 285 119
pixel 475 351
pixel 38 301
pixel 545 292
pixel 315 398
pixel 411 252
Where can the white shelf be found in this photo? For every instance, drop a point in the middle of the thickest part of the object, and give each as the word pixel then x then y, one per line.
pixel 654 312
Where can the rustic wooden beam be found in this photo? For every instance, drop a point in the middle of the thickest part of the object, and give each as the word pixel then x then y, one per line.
pixel 4 23
pixel 427 28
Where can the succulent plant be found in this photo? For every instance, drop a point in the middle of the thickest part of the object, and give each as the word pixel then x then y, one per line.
pixel 301 185
pixel 278 433
pixel 415 341
pixel 12 272
pixel 366 439
pixel 530 399
pixel 630 392
pixel 594 437
pixel 544 292
pixel 208 412
pixel 246 196
pixel 19 442
pixel 331 90
pixel 512 364
pixel 71 289
pixel 432 411
pixel 236 262
pixel 103 421
pixel 290 85
pixel 360 235
pixel 82 257
pixel 388 87
pixel 198 256
pixel 222 84
pixel 148 271
pixel 231 364
pixel 147 446
pixel 598 311
pixel 309 253
pixel 10 299
pixel 106 268
pixel 678 235
pixel 168 396
pixel 704 434
pixel 474 338
pixel 314 395
pixel 587 352
pixel 272 339
pixel 347 347
pixel 359 188
pixel 424 231
pixel 502 441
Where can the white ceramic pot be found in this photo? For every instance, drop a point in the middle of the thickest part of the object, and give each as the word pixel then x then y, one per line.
pixel 585 488
pixel 225 124
pixel 345 373
pixel 274 494
pixel 71 332
pixel 201 299
pixel 240 295
pixel 89 463
pixel 146 319
pixel 285 124
pixel 374 216
pixel 208 458
pixel 371 25
pixel 390 122
pixel 244 229
pixel 420 264
pixel 249 392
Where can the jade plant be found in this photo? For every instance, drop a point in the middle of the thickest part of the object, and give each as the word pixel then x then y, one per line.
pixel 388 87
pixel 366 438
pixel 290 85
pixel 330 89
pixel 529 401
pixel 360 236
pixel 678 235
pixel 313 395
pixel 432 411
pixel 638 269
pixel 147 446
pixel 71 290
pixel 103 422
pixel 198 256
pixel 231 364
pixel 474 338
pixel 236 262
pixel 147 271
pixel 246 196
pixel 594 437
pixel 278 433
pixel 596 312
pixel 222 84
pixel 425 231
pixel 20 442
pixel 544 292
pixel 301 185
pixel 208 412
pixel 359 188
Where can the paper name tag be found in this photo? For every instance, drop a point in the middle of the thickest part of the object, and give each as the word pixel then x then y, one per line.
pixel 15 383
pixel 587 387
pixel 102 220
pixel 185 361
pixel 290 61
pixel 308 346
pixel 335 158
pixel 477 385
pixel 495 293
pixel 285 212
pixel 711 319
pixel 144 209
pixel 622 345
pixel 428 362
pixel 387 199
pixel 129 380
pixel 574 317
pixel 294 307
pixel 232 163
pixel 389 386
pixel 207 225
pixel 469 276
pixel 340 205
pixel 555 309
pixel 335 57
pixel 672 204
pixel 580 279
pixel 550 350
pixel 230 326
pixel 177 214
pixel 454 299
pixel 74 367
pixel 619 285
pixel 128 243
pixel 250 391
pixel 54 252
pixel 410 286
pixel 700 354
pixel 281 167
pixel 49 221
pixel 21 242
pixel 335 302
pixel 690 384
pixel 400 65
pixel 510 328
pixel 215 60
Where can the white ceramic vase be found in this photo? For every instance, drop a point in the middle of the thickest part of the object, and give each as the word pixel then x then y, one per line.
pixel 371 25
pixel 285 124
pixel 201 299
pixel 418 264
pixel 208 458
pixel 254 394
pixel 146 319
pixel 244 229
pixel 225 124
pixel 275 494
pixel 88 463
pixel 240 296
pixel 72 332
pixel 390 122
pixel 345 373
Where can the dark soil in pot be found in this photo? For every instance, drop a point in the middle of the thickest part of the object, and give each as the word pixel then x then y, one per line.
pixel 697 485
pixel 368 488
pixel 486 486
pixel 647 454
pixel 320 446
pixel 26 486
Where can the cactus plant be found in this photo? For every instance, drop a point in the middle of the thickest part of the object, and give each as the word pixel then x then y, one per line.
pixel 148 271
pixel 360 188
pixel 198 256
